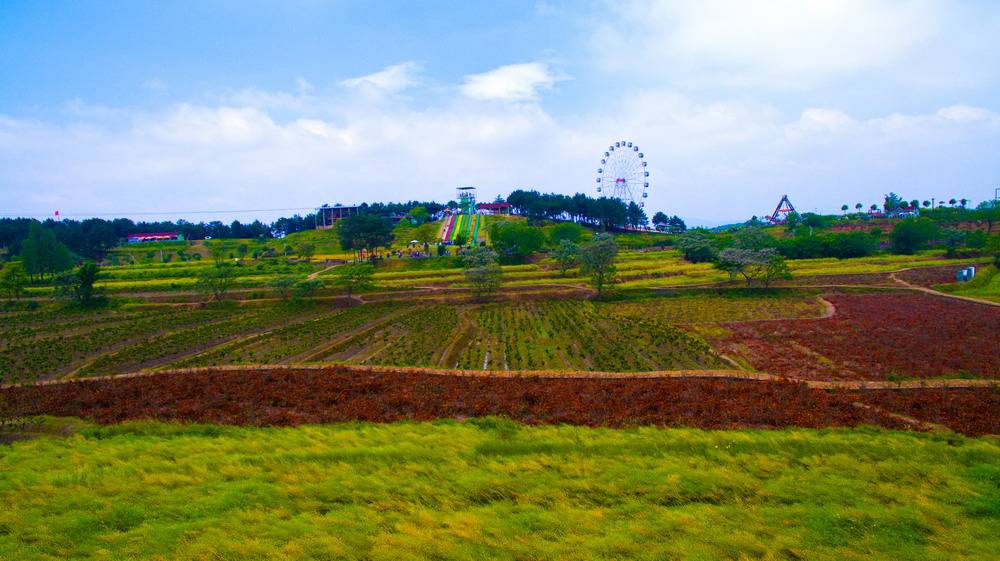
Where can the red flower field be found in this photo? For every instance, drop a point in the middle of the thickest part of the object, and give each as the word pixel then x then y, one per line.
pixel 874 336
pixel 337 394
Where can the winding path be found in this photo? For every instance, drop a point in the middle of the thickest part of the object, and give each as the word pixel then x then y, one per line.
pixel 931 291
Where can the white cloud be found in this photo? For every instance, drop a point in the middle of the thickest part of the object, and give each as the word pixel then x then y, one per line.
pixel 720 161
pixel 392 79
pixel 513 82
pixel 773 42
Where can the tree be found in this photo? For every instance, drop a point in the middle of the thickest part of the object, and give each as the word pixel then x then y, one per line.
pixel 567 255
pixel 418 215
pixel 752 238
pixel 696 246
pixel 892 202
pixel 13 279
pixel 953 239
pixel 482 271
pixel 461 238
pixel 853 244
pixel 873 208
pixel 42 254
pixel 792 220
pixel 84 290
pixel 515 240
pixel 635 216
pixel 354 277
pixel 597 260
pixel 763 265
pixel 912 234
pixel 660 220
pixel 952 201
pixel 216 280
pixel 963 202
pixel 857 207
pixel 365 232
pixel 926 204
pixel 844 208
pixel 676 224
pixel 306 288
pixel 283 285
pixel 567 231
pixel 306 250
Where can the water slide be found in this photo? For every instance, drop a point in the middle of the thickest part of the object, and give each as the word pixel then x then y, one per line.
pixel 449 228
pixel 475 230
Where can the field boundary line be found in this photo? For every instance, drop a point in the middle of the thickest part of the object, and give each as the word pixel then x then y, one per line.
pixel 931 291
pixel 938 383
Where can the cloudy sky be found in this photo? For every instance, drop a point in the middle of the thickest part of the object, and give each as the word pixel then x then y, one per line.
pixel 127 107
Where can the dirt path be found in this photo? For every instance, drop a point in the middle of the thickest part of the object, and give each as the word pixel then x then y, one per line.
pixel 724 374
pixel 312 276
pixel 924 289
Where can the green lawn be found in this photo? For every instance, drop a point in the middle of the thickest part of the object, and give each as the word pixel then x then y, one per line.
pixel 491 489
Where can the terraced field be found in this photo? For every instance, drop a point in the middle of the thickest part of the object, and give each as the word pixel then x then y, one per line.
pixel 654 333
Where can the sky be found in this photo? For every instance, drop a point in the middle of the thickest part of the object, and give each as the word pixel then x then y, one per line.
pixel 192 108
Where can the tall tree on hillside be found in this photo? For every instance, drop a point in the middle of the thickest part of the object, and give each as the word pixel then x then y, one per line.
pixel 216 280
pixel 635 215
pixel 42 254
pixel 660 220
pixel 79 285
pixel 597 259
pixel 482 271
pixel 366 232
pixel 567 255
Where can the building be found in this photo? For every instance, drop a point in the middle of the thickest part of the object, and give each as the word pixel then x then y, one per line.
pixel 155 237
pixel 327 216
pixel 493 208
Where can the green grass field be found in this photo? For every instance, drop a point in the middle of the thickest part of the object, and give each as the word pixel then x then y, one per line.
pixel 492 489
pixel 986 285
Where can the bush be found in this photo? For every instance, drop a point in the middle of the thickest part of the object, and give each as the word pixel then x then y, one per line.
pixel 516 240
pixel 912 234
pixel 568 231
pixel 696 246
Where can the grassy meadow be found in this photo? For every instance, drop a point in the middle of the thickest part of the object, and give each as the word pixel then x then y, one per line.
pixel 493 489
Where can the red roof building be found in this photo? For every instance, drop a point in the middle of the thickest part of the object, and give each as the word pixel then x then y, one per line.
pixel 493 208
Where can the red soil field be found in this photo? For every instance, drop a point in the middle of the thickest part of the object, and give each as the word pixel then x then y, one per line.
pixel 337 394
pixel 972 411
pixel 873 336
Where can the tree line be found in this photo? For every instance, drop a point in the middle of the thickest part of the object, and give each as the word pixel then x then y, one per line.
pixel 604 212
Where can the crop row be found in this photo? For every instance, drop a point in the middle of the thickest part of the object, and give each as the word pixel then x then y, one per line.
pixel 338 394
pixel 415 337
pixel 291 341
pixel 160 347
pixel 877 336
pixel 578 335
pixel 46 357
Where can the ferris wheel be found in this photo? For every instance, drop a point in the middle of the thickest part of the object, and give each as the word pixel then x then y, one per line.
pixel 623 174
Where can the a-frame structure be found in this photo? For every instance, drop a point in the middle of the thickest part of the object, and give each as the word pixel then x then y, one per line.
pixel 781 212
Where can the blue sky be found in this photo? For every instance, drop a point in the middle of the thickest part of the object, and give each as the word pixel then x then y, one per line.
pixel 161 106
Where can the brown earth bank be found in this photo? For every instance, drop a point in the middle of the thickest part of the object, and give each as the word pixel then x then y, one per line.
pixel 290 396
